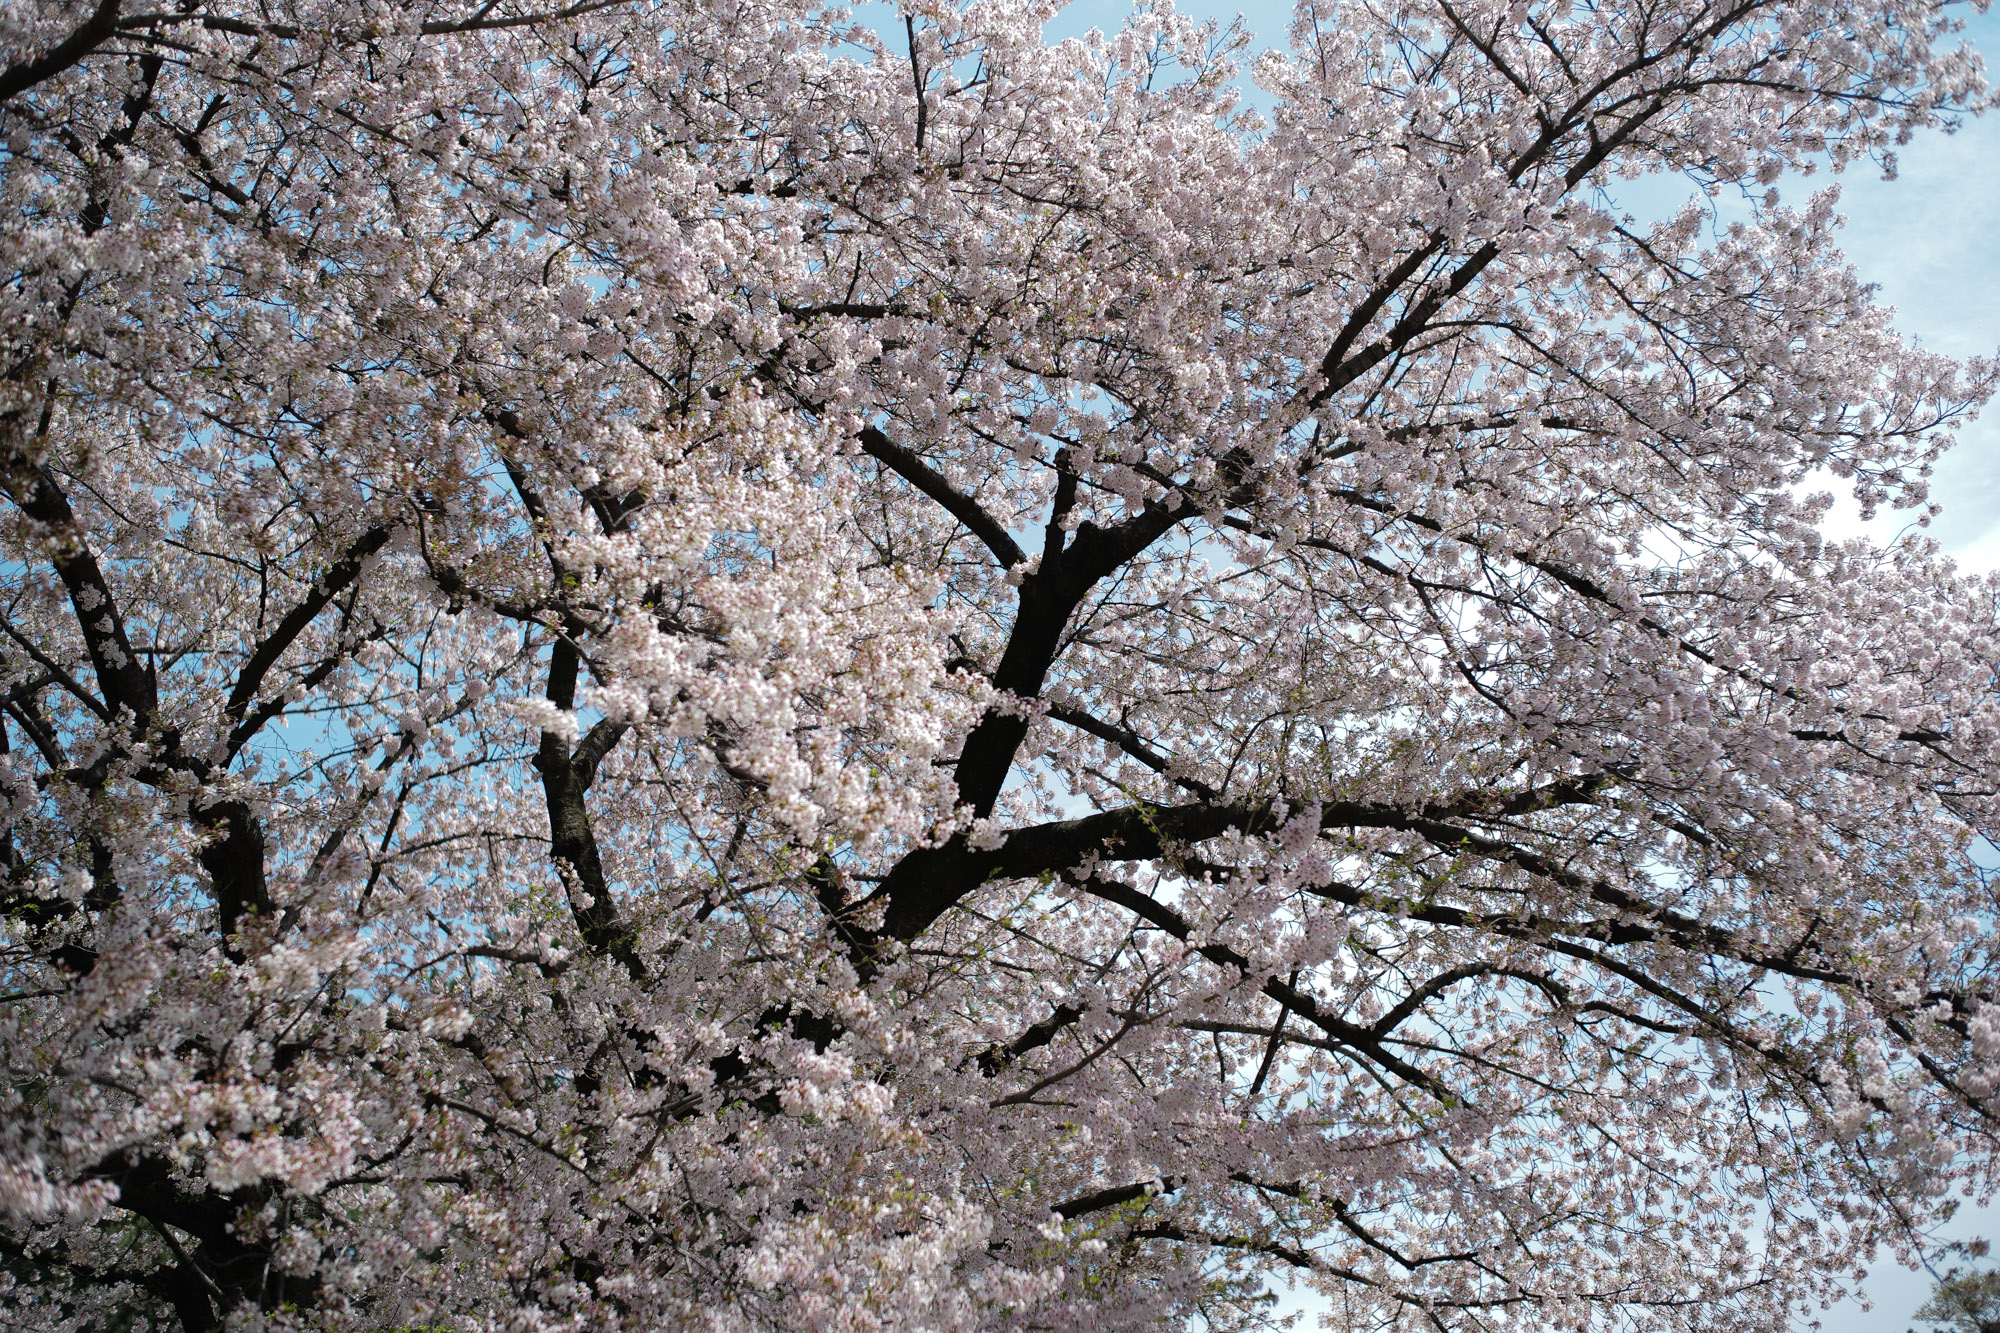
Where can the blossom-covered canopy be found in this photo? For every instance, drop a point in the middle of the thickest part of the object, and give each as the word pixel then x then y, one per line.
pixel 667 664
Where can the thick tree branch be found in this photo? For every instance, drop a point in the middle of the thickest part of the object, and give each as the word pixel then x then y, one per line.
pixel 122 679
pixel 324 589
pixel 572 839
pixel 233 856
pixel 959 505
pixel 996 1058
pixel 1097 1201
pixel 599 741
pixel 236 1272
pixel 91 34
pixel 1049 597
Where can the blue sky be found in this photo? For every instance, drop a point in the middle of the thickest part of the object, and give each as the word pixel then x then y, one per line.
pixel 1930 241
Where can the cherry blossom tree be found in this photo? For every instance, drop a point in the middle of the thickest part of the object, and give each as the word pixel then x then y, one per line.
pixel 667 664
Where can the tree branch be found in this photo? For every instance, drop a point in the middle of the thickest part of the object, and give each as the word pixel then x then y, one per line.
pixel 572 839
pixel 121 679
pixel 324 589
pixel 94 32
pixel 959 505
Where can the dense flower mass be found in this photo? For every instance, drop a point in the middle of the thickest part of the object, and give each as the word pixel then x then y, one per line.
pixel 668 664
